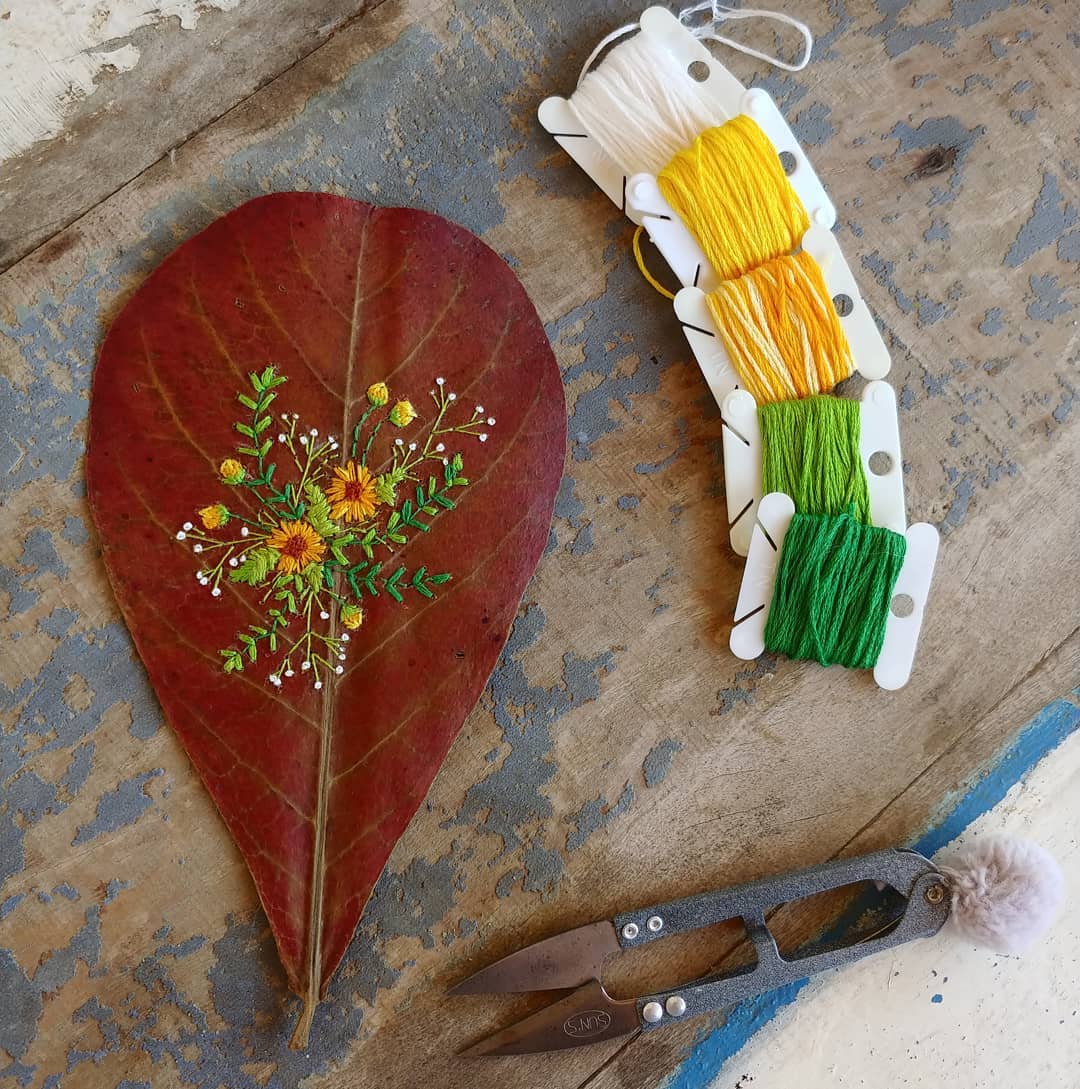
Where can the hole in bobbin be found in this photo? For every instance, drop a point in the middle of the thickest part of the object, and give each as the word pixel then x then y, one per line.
pixel 844 305
pixel 880 462
pixel 788 163
pixel 902 605
pixel 698 71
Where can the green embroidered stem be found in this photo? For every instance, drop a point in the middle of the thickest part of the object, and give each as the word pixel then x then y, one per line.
pixel 833 590
pixel 356 434
pixel 810 450
pixel 371 439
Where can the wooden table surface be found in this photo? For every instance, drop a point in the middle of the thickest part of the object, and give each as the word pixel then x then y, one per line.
pixel 621 754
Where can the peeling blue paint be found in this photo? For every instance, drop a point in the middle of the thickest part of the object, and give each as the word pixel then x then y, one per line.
pixel 1051 215
pixel 992 322
pixel 597 814
pixel 658 762
pixel 1047 299
pixel 119 807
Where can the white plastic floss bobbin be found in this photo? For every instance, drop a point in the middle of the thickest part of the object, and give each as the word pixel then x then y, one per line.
pixel 774 514
pixel 879 452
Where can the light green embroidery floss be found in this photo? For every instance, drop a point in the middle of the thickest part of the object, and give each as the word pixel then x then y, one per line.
pixel 833 588
pixel 810 451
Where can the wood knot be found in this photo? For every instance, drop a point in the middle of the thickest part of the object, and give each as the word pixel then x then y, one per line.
pixel 936 161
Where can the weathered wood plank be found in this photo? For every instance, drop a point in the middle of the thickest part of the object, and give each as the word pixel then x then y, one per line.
pixel 621 755
pixel 183 79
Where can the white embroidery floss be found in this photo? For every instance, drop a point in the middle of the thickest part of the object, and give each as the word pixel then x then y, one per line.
pixel 642 106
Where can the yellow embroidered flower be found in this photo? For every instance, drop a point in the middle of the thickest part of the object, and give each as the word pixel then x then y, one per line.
pixel 378 394
pixel 232 472
pixel 214 516
pixel 298 545
pixel 402 413
pixel 352 493
pixel 352 616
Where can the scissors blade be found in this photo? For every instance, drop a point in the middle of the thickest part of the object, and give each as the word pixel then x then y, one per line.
pixel 587 1016
pixel 566 960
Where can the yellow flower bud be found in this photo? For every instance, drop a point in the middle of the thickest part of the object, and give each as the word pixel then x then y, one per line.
pixel 214 516
pixel 378 394
pixel 352 616
pixel 232 472
pixel 402 413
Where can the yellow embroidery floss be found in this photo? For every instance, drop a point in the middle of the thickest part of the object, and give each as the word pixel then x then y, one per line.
pixel 781 330
pixel 730 190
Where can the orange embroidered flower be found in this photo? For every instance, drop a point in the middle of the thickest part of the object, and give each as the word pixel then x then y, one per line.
pixel 352 616
pixel 352 493
pixel 298 545
pixel 232 472
pixel 402 413
pixel 214 516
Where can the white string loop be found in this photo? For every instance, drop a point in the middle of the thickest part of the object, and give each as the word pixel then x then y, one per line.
pixel 721 13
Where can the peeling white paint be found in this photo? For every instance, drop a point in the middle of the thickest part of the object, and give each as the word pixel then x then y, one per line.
pixel 940 1011
pixel 53 51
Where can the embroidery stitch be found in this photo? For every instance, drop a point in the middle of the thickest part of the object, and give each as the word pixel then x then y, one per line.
pixel 319 542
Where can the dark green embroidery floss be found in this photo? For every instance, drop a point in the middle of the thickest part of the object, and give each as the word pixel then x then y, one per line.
pixel 810 451
pixel 834 585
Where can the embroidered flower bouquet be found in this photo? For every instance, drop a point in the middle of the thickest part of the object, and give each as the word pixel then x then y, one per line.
pixel 329 522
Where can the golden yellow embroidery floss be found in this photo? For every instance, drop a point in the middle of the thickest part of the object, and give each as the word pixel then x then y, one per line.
pixel 773 309
pixel 781 330
pixel 730 190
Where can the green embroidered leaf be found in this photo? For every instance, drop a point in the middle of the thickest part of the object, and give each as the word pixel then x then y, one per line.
pixel 244 429
pixel 385 490
pixel 234 660
pixel 393 520
pixel 318 511
pixel 262 425
pixel 265 448
pixel 251 453
pixel 313 576
pixel 259 563
pixel 246 401
pixel 439 579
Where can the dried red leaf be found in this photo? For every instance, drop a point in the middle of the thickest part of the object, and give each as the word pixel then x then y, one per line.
pixel 337 294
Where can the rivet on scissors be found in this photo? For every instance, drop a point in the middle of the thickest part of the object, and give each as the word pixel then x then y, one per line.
pixel 676 1005
pixel 652 1012
pixel 630 931
pixel 934 894
pixel 655 923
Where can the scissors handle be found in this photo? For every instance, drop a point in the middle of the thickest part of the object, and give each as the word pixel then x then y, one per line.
pixel 913 876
